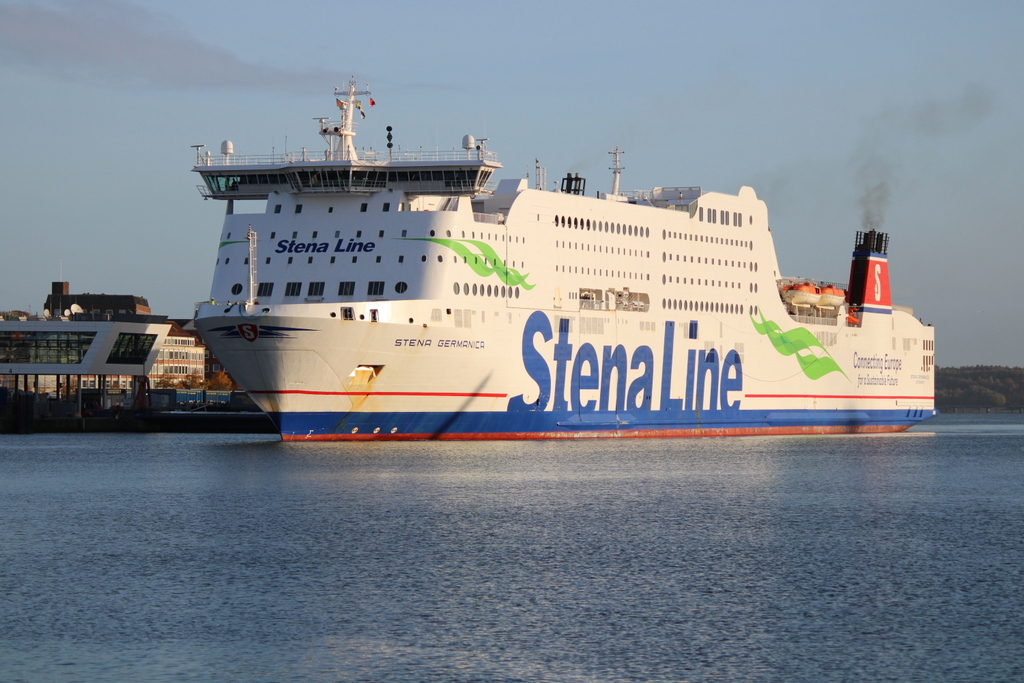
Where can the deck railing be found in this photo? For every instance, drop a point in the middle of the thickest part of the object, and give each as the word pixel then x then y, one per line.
pixel 365 157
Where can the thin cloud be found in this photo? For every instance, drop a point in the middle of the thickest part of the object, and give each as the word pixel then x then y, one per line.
pixel 114 42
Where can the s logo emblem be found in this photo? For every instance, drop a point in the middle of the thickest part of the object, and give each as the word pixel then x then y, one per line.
pixel 878 282
pixel 249 331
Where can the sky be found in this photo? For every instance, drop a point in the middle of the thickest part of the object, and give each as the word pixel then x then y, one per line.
pixel 905 116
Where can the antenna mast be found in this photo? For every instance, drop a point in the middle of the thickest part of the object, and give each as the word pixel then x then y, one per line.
pixel 616 169
pixel 540 176
pixel 340 137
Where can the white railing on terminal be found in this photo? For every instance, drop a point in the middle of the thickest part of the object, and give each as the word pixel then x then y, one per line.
pixel 366 157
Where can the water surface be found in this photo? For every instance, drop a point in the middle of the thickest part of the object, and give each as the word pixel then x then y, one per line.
pixel 232 557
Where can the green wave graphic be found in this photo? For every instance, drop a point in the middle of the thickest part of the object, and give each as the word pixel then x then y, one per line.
pixel 224 244
pixel 484 261
pixel 798 340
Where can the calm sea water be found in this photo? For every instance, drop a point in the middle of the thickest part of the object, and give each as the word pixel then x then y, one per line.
pixel 227 557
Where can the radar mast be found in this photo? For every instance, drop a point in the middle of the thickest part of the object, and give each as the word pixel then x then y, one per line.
pixel 340 137
pixel 616 170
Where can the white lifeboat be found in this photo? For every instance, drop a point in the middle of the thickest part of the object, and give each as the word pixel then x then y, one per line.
pixel 801 294
pixel 831 296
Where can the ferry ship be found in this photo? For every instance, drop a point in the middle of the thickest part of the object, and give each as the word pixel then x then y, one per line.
pixel 407 295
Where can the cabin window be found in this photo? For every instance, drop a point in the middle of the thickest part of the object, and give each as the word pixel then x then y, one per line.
pixel 293 289
pixel 375 288
pixel 277 208
pixel 346 288
pixel 362 207
pixel 386 207
pixel 265 289
pixel 298 208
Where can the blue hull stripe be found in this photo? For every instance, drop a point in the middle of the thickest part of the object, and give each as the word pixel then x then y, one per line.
pixel 548 424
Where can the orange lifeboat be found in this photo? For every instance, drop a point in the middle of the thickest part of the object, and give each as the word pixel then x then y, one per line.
pixel 801 294
pixel 832 296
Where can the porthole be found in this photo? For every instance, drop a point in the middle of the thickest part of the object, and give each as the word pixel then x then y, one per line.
pixel 236 289
pixel 431 233
pixel 456 288
pixel 517 292
pixel 488 290
pixel 465 288
pixel 423 258
pixel 663 303
pixel 663 257
pixel 474 289
pixel 448 233
pixel 440 259
pixel 400 287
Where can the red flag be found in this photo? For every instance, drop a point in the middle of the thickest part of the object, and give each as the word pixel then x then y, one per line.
pixel 372 103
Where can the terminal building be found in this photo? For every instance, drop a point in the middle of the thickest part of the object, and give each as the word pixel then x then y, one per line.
pixel 57 355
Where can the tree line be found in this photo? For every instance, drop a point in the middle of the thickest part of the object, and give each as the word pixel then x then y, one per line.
pixel 979 386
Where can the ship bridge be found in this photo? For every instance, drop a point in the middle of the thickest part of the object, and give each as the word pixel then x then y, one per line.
pixel 435 173
pixel 343 169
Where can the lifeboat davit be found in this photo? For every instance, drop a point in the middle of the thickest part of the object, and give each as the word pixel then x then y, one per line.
pixel 832 296
pixel 801 294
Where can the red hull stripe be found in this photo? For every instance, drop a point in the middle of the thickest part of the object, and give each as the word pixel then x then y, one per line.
pixel 383 393
pixel 913 398
pixel 645 434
